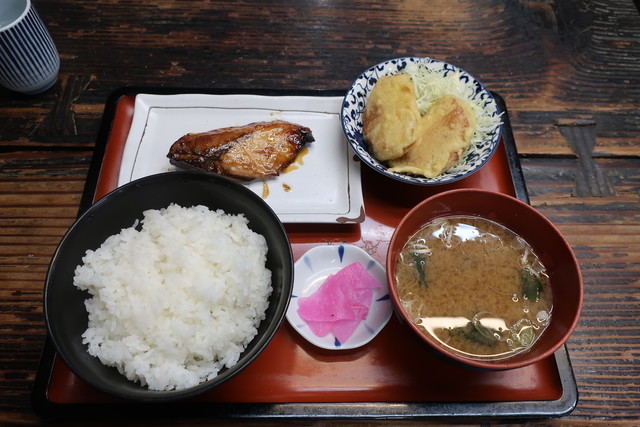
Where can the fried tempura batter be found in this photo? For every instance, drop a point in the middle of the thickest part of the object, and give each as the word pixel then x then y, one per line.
pixel 445 132
pixel 390 117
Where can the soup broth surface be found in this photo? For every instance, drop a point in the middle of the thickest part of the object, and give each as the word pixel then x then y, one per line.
pixel 475 286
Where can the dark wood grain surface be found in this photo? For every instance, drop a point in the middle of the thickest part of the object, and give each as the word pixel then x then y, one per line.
pixel 569 72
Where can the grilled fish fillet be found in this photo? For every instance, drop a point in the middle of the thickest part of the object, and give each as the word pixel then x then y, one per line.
pixel 256 150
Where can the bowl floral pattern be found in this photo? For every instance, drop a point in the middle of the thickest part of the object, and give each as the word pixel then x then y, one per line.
pixel 356 98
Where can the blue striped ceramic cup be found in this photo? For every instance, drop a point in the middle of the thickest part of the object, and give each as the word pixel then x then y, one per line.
pixel 29 61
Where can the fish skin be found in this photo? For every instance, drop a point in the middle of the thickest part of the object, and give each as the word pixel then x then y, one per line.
pixel 256 150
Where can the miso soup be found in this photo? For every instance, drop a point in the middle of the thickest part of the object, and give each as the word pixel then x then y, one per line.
pixel 475 286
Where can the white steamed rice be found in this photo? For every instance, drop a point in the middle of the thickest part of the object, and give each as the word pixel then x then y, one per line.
pixel 177 300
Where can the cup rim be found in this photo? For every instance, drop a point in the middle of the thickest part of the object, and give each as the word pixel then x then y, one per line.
pixel 20 18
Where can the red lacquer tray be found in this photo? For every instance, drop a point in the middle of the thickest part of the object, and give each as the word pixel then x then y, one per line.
pixel 393 376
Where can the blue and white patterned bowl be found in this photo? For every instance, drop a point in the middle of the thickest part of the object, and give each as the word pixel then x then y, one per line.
pixel 356 99
pixel 312 269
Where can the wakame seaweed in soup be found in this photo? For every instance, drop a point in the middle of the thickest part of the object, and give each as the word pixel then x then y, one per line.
pixel 475 286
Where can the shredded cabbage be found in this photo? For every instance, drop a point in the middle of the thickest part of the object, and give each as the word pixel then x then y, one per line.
pixel 431 85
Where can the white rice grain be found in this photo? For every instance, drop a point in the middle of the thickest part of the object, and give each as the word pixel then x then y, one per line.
pixel 177 300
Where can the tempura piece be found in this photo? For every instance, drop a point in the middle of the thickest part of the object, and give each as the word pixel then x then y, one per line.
pixel 444 135
pixel 390 117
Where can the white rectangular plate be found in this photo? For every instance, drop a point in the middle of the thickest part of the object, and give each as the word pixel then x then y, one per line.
pixel 324 187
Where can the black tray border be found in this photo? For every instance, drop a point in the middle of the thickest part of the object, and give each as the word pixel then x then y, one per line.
pixel 289 411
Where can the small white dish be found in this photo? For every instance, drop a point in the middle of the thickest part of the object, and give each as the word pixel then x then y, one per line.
pixel 310 272
pixel 323 187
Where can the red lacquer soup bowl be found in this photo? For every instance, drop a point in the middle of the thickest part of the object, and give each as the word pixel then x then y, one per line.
pixel 548 244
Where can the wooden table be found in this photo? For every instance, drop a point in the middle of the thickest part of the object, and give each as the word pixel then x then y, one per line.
pixel 568 70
